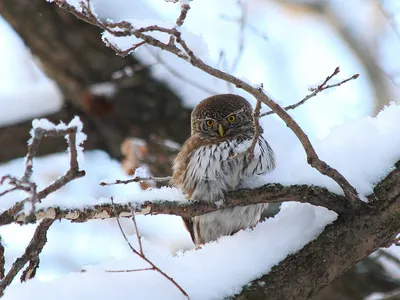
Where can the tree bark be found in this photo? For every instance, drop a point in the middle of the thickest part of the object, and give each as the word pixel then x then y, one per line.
pixel 71 52
pixel 344 243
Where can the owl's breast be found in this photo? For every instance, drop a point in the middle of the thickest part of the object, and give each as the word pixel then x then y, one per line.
pixel 212 171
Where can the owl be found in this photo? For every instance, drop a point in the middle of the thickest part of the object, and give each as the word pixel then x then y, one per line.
pixel 206 168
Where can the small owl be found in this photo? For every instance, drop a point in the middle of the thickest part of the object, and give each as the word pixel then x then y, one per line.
pixel 206 167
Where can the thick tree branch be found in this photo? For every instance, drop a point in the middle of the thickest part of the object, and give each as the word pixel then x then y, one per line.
pixel 31 254
pixel 344 243
pixel 270 193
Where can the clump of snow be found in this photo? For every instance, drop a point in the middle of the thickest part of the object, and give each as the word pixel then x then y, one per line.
pixel 75 122
pixel 141 173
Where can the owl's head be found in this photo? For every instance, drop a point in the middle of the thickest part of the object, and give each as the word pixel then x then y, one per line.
pixel 222 117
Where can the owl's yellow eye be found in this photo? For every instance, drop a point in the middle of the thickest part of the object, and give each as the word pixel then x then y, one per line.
pixel 231 119
pixel 210 123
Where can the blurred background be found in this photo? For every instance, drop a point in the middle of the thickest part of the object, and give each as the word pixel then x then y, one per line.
pixel 136 110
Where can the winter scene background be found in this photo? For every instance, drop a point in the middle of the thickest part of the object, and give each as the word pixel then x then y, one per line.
pixel 289 47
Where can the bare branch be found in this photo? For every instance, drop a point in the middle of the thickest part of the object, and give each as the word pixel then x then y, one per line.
pixel 317 90
pixel 141 255
pixel 31 253
pixel 178 75
pixel 136 179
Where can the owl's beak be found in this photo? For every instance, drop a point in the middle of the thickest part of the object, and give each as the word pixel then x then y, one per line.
pixel 221 130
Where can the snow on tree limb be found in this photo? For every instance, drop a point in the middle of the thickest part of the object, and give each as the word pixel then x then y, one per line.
pixel 41 128
pixel 178 46
pixel 270 193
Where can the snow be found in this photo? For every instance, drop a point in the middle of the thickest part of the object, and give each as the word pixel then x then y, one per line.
pixel 364 151
pixel 80 137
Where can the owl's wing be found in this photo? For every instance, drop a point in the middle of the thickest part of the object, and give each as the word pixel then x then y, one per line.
pixel 263 161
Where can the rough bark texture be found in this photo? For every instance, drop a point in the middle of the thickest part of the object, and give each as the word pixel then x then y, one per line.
pixel 72 53
pixel 344 243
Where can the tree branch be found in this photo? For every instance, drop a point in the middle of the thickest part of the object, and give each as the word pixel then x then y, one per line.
pixel 31 254
pixel 270 193
pixel 342 244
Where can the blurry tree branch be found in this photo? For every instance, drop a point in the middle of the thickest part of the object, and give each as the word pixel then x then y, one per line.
pixel 71 52
pixel 363 50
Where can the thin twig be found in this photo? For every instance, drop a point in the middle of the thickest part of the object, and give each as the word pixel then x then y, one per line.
pixel 242 24
pixel 32 252
pixel 182 16
pixel 316 91
pixel 249 152
pixel 180 76
pixel 153 266
pixel 129 271
pixel 139 238
pixel 136 179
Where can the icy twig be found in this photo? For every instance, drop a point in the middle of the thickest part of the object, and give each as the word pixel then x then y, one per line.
pixel 136 179
pixel 31 254
pixel 315 91
pixel 185 53
pixel 141 255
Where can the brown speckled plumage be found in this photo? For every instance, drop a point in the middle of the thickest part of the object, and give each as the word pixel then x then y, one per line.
pixel 205 170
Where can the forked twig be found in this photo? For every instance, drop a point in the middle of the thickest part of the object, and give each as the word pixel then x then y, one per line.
pixel 141 255
pixel 315 91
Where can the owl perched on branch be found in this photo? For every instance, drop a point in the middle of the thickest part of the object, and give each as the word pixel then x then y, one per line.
pixel 206 167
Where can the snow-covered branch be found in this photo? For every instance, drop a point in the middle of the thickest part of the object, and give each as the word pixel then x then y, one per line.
pixel 342 244
pixel 270 193
pixel 41 128
pixel 179 47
